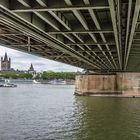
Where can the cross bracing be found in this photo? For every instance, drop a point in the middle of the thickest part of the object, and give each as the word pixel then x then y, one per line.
pixel 99 34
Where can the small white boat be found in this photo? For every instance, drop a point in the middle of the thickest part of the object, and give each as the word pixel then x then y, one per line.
pixel 58 82
pixel 7 84
pixel 36 82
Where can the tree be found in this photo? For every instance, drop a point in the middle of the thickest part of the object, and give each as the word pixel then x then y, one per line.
pixel 58 75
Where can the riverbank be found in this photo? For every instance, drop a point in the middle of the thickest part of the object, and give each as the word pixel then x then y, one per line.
pixel 37 81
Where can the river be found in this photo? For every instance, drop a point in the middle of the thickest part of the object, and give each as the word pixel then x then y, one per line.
pixel 50 112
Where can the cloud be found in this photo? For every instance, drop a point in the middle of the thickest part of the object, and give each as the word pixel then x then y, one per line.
pixel 22 61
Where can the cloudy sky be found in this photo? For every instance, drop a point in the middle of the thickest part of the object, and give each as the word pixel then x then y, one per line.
pixel 22 61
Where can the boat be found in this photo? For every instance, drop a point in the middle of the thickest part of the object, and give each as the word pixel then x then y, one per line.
pixel 35 82
pixel 57 82
pixel 7 84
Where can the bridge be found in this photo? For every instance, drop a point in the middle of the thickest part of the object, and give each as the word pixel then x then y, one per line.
pixel 91 34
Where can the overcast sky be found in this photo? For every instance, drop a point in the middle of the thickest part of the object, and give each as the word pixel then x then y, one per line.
pixel 22 61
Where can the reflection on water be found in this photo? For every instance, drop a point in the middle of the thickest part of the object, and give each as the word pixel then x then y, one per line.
pixel 109 118
pixel 52 112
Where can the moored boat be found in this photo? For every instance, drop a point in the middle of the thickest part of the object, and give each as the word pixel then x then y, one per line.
pixel 6 83
pixel 35 82
pixel 57 82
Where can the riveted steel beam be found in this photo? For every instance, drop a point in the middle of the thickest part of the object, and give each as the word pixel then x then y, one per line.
pixel 134 23
pixel 94 18
pixel 59 8
pixel 115 28
pixel 82 20
pixel 35 32
pixel 128 26
pixel 81 31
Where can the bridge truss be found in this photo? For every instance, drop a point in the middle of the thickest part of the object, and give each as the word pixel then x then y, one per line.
pixel 91 34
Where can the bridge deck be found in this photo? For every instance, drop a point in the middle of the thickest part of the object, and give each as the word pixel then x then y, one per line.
pixel 99 34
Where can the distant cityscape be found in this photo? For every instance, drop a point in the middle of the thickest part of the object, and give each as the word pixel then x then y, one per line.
pixel 45 77
pixel 6 66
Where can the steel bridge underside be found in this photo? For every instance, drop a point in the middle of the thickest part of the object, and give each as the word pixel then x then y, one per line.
pixel 90 34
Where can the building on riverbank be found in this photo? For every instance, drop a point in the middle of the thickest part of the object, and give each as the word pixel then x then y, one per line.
pixel 7 69
pixel 5 63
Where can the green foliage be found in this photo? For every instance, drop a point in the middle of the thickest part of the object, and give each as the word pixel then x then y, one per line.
pixel 16 76
pixel 58 75
pixel 25 75
pixel 46 75
pixel 38 76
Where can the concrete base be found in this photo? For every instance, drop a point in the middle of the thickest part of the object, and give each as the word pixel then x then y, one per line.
pixel 119 84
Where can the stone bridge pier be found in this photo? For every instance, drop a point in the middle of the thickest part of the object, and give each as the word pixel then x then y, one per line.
pixel 119 84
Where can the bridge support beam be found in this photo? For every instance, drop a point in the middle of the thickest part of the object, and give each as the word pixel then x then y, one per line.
pixel 122 84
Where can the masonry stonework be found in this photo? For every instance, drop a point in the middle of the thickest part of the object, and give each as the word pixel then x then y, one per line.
pixel 109 84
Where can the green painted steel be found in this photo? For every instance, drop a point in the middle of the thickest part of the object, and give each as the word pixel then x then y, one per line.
pixel 102 35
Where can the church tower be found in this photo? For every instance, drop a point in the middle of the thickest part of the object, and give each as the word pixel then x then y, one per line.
pixel 5 63
pixel 31 68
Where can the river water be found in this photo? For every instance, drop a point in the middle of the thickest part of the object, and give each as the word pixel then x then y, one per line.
pixel 49 112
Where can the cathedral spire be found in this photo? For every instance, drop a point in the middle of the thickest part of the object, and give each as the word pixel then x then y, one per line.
pixel 31 67
pixel 5 57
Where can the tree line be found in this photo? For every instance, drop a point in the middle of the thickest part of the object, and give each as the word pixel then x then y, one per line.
pixel 58 75
pixel 16 76
pixel 45 75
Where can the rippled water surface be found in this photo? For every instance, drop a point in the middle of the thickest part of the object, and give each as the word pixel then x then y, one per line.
pixel 46 112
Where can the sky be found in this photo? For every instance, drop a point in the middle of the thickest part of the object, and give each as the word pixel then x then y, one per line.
pixel 22 61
